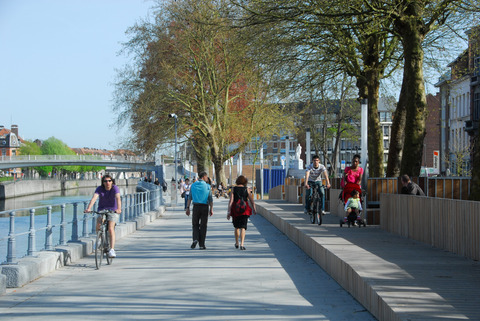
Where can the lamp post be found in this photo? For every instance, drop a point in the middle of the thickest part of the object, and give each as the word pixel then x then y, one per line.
pixel 174 116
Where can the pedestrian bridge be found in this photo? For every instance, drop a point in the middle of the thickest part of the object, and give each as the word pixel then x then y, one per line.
pixel 130 162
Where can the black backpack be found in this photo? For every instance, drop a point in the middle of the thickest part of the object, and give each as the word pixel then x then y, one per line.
pixel 240 206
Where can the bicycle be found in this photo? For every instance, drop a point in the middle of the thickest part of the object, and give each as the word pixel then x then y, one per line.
pixel 102 242
pixel 316 204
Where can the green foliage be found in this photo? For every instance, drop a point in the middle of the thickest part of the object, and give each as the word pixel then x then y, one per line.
pixel 30 148
pixel 54 146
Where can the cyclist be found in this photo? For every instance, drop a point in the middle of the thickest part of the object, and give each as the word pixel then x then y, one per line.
pixel 313 176
pixel 108 195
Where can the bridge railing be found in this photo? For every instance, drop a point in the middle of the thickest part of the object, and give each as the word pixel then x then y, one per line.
pixel 43 158
pixel 55 224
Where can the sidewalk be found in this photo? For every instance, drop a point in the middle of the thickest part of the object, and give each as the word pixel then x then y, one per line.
pixel 156 276
pixel 393 277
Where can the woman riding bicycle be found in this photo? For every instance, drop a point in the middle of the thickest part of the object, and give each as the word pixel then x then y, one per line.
pixel 352 178
pixel 109 199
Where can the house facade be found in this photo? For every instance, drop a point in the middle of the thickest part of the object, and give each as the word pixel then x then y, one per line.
pixel 460 109
pixel 10 142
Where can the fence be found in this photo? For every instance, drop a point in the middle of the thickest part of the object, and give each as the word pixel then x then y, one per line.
pixel 452 225
pixel 133 206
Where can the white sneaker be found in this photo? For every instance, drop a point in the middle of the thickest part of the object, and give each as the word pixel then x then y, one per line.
pixel 111 253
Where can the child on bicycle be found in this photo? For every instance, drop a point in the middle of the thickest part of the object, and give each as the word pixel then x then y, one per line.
pixel 353 206
pixel 108 195
pixel 313 176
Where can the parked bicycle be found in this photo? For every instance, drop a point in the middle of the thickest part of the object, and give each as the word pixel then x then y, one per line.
pixel 317 203
pixel 102 242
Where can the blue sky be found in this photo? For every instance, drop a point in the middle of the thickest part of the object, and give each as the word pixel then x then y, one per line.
pixel 57 67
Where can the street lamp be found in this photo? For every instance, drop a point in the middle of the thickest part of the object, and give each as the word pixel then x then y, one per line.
pixel 174 116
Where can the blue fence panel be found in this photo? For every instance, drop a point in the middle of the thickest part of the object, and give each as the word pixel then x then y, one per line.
pixel 278 178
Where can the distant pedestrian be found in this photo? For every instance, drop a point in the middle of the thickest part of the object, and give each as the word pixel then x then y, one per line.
pixel 157 182
pixel 410 187
pixel 240 209
pixel 201 197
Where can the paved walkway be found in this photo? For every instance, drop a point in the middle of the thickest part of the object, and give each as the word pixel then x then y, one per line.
pixel 156 276
pixel 394 277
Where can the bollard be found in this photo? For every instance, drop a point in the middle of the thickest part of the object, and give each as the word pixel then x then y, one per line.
pixel 48 231
pixel 11 251
pixel 63 224
pixel 31 235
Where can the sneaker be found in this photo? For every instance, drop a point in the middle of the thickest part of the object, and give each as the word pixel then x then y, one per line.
pixel 203 247
pixel 112 253
pixel 194 244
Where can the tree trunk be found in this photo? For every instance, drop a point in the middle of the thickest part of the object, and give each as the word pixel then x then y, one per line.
pixel 368 87
pixel 415 99
pixel 475 183
pixel 375 134
pixel 397 136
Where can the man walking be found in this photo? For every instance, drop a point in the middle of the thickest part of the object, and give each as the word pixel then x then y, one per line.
pixel 201 196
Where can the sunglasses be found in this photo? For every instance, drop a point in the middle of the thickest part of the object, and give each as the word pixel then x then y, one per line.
pixel 107 180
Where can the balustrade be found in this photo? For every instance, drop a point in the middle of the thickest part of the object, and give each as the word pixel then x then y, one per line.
pixel 133 205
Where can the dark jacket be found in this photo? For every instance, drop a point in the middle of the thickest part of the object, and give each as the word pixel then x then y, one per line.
pixel 412 189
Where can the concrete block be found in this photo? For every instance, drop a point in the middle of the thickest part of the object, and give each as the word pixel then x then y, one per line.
pixel 31 268
pixel 3 284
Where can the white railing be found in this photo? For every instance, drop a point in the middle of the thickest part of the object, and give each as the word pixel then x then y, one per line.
pixel 43 158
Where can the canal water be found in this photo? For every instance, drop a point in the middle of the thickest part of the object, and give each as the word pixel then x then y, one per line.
pixel 55 199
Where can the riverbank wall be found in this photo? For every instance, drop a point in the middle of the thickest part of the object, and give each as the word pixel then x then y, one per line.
pixel 30 187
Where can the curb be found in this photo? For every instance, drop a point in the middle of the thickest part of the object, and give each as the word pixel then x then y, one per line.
pixel 31 268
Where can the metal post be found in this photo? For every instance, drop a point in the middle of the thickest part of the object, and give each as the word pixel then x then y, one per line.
pixel 63 223
pixel 11 251
pixel 48 231
pixel 308 152
pixel 85 221
pixel 287 155
pixel 122 214
pixel 261 172
pixel 31 235
pixel 75 223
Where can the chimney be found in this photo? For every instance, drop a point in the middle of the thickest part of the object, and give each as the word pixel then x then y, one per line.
pixel 1 127
pixel 15 130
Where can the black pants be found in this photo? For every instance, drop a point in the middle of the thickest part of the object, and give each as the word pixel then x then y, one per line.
pixel 199 223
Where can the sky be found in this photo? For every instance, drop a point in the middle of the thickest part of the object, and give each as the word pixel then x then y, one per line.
pixel 57 67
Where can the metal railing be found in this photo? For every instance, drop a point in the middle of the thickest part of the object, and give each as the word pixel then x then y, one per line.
pixel 68 222
pixel 42 158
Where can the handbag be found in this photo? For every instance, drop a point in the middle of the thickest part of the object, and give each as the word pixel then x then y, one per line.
pixel 183 195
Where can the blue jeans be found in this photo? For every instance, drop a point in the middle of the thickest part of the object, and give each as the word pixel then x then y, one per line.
pixel 309 192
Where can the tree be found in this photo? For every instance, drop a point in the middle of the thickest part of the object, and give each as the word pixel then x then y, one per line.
pixel 327 38
pixel 412 22
pixel 191 62
pixel 30 148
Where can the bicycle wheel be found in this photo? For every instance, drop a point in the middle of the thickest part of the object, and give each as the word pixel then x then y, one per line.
pixel 312 210
pixel 318 212
pixel 99 249
pixel 107 248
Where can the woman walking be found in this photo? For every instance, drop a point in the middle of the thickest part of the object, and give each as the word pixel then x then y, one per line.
pixel 240 209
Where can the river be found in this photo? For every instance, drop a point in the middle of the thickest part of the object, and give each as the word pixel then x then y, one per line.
pixel 22 221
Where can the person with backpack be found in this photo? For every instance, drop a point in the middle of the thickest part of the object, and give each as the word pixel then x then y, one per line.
pixel 240 209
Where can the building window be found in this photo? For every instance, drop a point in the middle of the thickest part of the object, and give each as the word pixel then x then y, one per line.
pixel 386 131
pixel 476 107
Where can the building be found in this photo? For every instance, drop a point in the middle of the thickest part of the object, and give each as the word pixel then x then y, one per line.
pixel 10 141
pixel 280 149
pixel 460 109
